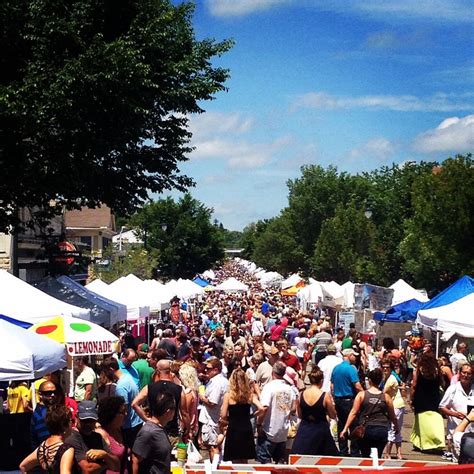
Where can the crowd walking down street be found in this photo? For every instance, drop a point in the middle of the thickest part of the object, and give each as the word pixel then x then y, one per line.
pixel 248 376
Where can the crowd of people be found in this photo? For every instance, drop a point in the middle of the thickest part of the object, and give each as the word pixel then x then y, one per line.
pixel 246 376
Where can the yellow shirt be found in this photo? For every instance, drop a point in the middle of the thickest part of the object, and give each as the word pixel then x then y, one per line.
pixel 37 384
pixel 15 398
pixel 392 388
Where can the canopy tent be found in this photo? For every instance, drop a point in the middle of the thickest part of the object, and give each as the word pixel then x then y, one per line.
pixel 80 337
pixel 188 289
pixel 118 311
pixel 269 278
pixel 16 322
pixel 134 287
pixel 452 310
pixel 209 274
pixel 135 309
pixel 23 301
pixel 348 288
pixel 293 290
pixel 333 294
pixel 309 294
pixel 291 281
pixel 402 291
pixel 400 313
pixel 232 285
pixel 27 356
pixel 163 294
pixel 100 313
pixel 201 282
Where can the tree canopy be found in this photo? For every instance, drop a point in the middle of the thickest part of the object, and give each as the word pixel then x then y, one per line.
pixel 420 226
pixel 95 97
pixel 181 235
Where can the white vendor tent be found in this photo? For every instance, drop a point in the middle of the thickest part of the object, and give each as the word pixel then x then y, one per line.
pixel 292 280
pixel 333 294
pixel 23 301
pixel 134 287
pixel 452 310
pixel 348 288
pixel 26 355
pixel 232 285
pixel 402 291
pixel 135 308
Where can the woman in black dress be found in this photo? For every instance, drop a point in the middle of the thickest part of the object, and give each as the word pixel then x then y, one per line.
pixel 239 444
pixel 313 436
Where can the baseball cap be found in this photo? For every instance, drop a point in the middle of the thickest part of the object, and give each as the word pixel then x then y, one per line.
pixel 348 352
pixel 332 348
pixel 273 350
pixel 87 410
pixel 290 376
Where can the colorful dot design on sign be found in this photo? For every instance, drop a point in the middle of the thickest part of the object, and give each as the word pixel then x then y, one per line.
pixel 80 327
pixel 47 329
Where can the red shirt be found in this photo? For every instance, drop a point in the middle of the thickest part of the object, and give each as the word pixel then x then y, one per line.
pixel 291 361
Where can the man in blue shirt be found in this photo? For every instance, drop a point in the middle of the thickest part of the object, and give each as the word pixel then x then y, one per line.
pixel 125 365
pixel 47 397
pixel 128 389
pixel 345 385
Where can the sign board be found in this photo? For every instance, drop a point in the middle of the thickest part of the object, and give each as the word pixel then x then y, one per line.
pixel 345 319
pixel 373 297
pixel 81 348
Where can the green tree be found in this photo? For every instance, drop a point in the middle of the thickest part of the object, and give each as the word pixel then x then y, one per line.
pixel 134 260
pixel 181 235
pixel 276 247
pixel 95 97
pixel 389 199
pixel 438 245
pixel 346 248
pixel 250 234
pixel 313 198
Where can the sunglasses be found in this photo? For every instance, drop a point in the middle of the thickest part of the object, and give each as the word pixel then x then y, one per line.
pixel 48 393
pixel 208 368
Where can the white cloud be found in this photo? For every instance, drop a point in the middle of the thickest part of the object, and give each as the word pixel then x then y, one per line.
pixel 226 136
pixel 402 103
pixel 453 134
pixel 432 10
pixel 241 7
pixel 212 123
pixel 378 149
pixel 385 10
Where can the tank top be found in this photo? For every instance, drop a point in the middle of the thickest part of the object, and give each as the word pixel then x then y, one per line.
pixel 315 413
pixel 154 388
pixel 375 407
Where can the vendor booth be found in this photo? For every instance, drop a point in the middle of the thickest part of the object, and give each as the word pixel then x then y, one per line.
pixel 23 301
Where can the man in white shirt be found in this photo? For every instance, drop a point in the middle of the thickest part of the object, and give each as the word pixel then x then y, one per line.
pixel 459 356
pixel 327 365
pixel 212 399
pixel 279 401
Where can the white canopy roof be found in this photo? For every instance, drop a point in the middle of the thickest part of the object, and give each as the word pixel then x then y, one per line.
pixel 135 289
pixel 135 309
pixel 26 355
pixel 456 317
pixel 209 275
pixel 22 301
pixel 348 288
pixel 232 284
pixel 402 291
pixel 291 281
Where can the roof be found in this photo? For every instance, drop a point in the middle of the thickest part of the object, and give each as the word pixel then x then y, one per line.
pixel 87 218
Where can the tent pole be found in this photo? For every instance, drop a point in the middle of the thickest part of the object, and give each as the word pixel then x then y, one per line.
pixel 437 343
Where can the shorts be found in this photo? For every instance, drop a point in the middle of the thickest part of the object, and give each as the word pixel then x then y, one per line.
pixel 209 435
pixel 394 437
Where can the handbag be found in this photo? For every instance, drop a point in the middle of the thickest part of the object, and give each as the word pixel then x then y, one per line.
pixel 359 431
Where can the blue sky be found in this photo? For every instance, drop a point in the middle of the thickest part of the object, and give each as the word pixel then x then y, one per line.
pixel 356 84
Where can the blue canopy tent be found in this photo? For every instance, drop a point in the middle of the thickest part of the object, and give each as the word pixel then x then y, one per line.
pixel 16 322
pixel 400 313
pixel 201 282
pixel 103 312
pixel 451 310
